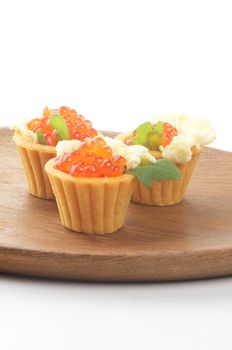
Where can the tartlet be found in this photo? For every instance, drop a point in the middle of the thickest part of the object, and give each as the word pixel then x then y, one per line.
pixel 36 142
pixel 34 157
pixel 179 139
pixel 94 206
pixel 166 192
pixel 93 182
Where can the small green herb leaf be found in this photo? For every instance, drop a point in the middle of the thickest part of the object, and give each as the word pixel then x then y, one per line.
pixel 155 138
pixel 40 137
pixel 59 124
pixel 154 141
pixel 141 133
pixel 161 170
pixel 158 129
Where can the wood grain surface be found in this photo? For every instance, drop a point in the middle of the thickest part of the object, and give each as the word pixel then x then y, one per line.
pixel 188 241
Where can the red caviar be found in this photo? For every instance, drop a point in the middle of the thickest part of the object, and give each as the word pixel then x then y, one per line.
pixel 169 131
pixel 78 127
pixel 92 159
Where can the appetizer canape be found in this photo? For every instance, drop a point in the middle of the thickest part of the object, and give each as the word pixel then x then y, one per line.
pixel 179 139
pixel 36 141
pixel 93 181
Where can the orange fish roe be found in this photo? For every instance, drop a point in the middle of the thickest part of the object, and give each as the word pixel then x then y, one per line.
pixel 78 127
pixel 92 159
pixel 169 131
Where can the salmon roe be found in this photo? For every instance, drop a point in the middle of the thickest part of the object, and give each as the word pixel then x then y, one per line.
pixel 78 127
pixel 169 131
pixel 92 159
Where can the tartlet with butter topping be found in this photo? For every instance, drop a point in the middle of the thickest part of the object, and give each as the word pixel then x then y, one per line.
pixel 93 181
pixel 36 141
pixel 179 139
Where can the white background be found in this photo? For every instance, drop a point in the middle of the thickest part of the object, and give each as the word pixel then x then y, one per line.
pixel 118 63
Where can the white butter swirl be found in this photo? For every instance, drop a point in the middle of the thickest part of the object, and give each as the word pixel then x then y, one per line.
pixel 134 155
pixel 28 135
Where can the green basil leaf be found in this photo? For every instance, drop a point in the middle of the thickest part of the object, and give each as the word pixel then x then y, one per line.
pixel 161 170
pixel 141 133
pixel 40 137
pixel 158 129
pixel 154 141
pixel 58 123
pixel 155 138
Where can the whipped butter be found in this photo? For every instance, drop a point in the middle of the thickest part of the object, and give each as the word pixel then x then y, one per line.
pixel 28 135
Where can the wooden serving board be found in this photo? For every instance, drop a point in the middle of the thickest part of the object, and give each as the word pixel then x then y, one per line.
pixel 188 241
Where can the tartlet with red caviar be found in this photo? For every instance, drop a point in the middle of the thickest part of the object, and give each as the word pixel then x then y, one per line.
pixel 36 141
pixel 179 139
pixel 93 181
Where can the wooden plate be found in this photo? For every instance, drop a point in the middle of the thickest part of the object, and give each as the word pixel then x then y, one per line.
pixel 187 241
